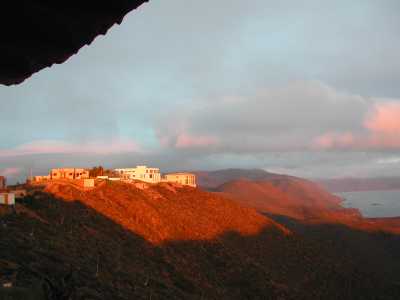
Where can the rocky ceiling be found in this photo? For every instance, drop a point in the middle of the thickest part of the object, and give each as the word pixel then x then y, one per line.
pixel 35 34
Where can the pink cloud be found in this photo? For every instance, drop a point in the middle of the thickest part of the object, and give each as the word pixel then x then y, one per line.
pixel 383 123
pixel 10 172
pixel 382 131
pixel 189 141
pixel 334 140
pixel 61 147
pixel 384 118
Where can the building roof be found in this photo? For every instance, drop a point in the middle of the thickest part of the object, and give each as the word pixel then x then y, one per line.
pixel 181 173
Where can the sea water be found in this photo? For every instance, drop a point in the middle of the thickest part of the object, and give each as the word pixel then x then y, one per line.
pixel 374 204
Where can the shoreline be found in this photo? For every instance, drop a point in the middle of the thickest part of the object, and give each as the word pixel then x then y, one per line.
pixel 343 199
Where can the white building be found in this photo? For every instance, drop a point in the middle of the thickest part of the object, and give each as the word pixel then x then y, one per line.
pixel 7 199
pixel 41 178
pixel 183 178
pixel 142 173
pixel 69 173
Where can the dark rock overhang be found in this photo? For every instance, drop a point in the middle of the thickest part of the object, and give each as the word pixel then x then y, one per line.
pixel 36 34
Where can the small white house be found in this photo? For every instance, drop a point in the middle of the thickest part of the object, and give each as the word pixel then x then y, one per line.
pixel 142 173
pixel 183 178
pixel 7 199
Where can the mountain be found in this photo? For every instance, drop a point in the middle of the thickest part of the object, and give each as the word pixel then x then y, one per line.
pixel 340 185
pixel 212 179
pixel 289 196
pixel 271 193
pixel 141 241
pixel 292 197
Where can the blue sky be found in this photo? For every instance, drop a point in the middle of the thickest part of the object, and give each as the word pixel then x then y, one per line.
pixel 294 87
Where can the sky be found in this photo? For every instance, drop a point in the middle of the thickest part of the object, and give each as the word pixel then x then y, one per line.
pixel 309 88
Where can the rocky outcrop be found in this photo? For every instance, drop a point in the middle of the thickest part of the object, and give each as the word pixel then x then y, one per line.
pixel 38 34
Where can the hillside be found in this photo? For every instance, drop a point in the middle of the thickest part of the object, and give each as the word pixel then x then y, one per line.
pixel 289 196
pixel 166 212
pixel 292 197
pixel 122 241
pixel 275 193
pixel 212 179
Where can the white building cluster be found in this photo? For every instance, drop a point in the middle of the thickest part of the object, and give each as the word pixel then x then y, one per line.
pixel 139 173
pixel 153 175
pixel 142 173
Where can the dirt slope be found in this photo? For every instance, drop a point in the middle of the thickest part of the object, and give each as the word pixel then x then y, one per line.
pixel 122 242
pixel 166 212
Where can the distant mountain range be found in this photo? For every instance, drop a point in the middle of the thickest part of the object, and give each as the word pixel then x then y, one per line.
pixel 213 179
pixel 360 184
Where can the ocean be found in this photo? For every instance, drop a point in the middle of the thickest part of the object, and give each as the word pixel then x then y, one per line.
pixel 374 204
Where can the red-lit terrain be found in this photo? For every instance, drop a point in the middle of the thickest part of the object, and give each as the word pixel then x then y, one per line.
pixel 290 196
pixel 294 198
pixel 121 241
pixel 166 212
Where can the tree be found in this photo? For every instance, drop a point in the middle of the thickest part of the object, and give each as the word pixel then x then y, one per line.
pixel 96 171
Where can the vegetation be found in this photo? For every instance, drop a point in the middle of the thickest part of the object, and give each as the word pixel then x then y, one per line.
pixel 164 242
pixel 101 171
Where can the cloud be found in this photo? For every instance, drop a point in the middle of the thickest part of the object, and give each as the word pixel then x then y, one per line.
pixel 232 87
pixel 389 160
pixel 184 140
pixel 12 171
pixel 381 131
pixel 282 118
pixel 383 123
pixel 334 140
pixel 62 147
